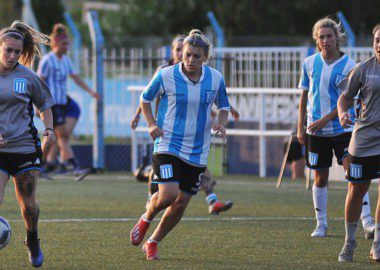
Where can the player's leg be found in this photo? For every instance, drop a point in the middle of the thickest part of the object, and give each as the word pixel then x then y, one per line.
pixel 4 177
pixel 341 144
pixel 172 216
pixel 152 187
pixel 25 183
pixel 215 205
pixel 296 159
pixel 319 157
pixel 375 250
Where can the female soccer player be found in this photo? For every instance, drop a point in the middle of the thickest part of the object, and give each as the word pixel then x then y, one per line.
pixel 54 69
pixel 215 205
pixel 182 135
pixel 364 149
pixel 321 74
pixel 20 147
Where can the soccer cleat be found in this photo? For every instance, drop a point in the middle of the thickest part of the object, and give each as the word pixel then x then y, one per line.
pixel 150 249
pixel 347 253
pixel 138 232
pixel 375 252
pixel 81 174
pixel 369 231
pixel 319 231
pixel 36 257
pixel 218 207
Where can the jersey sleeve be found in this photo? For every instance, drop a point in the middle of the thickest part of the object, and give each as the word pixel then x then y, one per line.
pixel 351 84
pixel 41 95
pixel 305 80
pixel 221 100
pixel 44 69
pixel 153 88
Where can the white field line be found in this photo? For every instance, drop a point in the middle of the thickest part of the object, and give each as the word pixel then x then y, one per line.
pixel 190 219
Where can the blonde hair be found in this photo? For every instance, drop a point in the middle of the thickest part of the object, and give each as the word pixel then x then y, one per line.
pixel 59 33
pixel 197 39
pixel 376 28
pixel 329 23
pixel 31 39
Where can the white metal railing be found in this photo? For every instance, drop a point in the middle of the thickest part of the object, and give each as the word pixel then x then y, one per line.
pixel 260 114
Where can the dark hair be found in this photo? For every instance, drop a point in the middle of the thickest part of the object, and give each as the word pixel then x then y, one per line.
pixel 197 39
pixel 31 39
pixel 59 33
pixel 178 38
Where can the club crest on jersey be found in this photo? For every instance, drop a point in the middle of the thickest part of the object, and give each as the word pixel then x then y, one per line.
pixel 338 78
pixel 355 170
pixel 166 171
pixel 209 96
pixel 19 85
pixel 313 158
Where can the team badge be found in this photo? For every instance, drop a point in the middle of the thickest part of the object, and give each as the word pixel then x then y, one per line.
pixel 338 78
pixel 209 96
pixel 166 171
pixel 355 170
pixel 19 85
pixel 313 158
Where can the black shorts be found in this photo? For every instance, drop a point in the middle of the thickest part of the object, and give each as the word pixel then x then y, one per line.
pixel 169 168
pixel 320 150
pixel 59 114
pixel 362 169
pixel 296 151
pixel 13 164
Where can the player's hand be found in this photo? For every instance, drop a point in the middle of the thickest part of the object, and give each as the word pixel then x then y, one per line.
pixel 3 141
pixel 95 95
pixel 317 125
pixel 235 114
pixel 301 135
pixel 135 121
pixel 345 120
pixel 220 130
pixel 155 131
pixel 50 136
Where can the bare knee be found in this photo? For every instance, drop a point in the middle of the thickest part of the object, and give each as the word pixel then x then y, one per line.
pixel 30 209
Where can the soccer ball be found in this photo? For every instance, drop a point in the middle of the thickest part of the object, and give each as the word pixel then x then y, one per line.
pixel 5 233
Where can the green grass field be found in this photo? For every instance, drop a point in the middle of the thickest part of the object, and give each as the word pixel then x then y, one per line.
pixel 266 228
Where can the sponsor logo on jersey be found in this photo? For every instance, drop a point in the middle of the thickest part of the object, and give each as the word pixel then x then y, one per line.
pixel 355 170
pixel 372 76
pixel 166 171
pixel 19 85
pixel 313 158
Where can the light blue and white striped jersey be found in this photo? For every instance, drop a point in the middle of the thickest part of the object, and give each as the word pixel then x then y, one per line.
pixel 184 112
pixel 320 80
pixel 55 71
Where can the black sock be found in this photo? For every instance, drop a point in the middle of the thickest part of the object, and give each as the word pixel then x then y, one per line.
pixel 31 236
pixel 73 162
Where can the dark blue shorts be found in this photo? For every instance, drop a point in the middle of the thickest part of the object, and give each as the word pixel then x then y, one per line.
pixel 59 114
pixel 14 164
pixel 72 108
pixel 169 168
pixel 362 169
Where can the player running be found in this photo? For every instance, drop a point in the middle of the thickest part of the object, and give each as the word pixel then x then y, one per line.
pixel 20 146
pixel 364 149
pixel 54 69
pixel 182 135
pixel 324 136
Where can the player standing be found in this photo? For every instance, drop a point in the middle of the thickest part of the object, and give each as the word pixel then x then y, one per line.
pixel 324 135
pixel 364 149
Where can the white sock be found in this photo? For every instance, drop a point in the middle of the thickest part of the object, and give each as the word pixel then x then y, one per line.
pixel 150 240
pixel 377 232
pixel 350 230
pixel 366 211
pixel 145 219
pixel 320 204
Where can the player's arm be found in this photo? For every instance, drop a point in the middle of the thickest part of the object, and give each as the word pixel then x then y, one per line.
pixel 344 103
pixel 320 123
pixel 83 85
pixel 154 130
pixel 235 113
pixel 301 117
pixel 136 118
pixel 220 126
pixel 47 120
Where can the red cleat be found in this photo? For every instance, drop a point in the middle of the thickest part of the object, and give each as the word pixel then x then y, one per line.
pixel 150 249
pixel 138 232
pixel 218 207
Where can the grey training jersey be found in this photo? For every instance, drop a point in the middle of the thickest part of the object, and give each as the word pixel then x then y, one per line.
pixel 19 91
pixel 364 80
